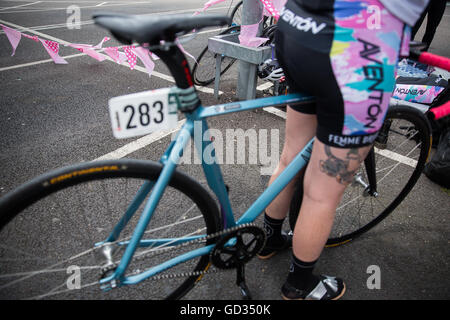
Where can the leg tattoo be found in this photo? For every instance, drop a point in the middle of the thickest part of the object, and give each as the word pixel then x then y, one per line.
pixel 339 168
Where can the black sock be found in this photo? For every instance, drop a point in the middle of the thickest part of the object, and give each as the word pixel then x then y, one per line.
pixel 273 231
pixel 300 274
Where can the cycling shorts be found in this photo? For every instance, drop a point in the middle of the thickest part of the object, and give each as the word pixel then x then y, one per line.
pixel 345 54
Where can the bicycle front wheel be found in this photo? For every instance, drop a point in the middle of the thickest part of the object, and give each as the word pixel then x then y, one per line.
pixel 401 151
pixel 51 229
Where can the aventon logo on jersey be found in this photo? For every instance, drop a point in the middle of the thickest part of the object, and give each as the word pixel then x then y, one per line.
pixel 302 24
pixel 407 90
pixel 374 73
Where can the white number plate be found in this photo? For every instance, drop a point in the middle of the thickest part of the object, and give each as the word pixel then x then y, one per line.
pixel 142 113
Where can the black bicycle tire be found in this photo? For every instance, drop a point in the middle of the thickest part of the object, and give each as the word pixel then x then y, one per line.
pixel 38 188
pixel 399 112
pixel 203 82
pixel 235 9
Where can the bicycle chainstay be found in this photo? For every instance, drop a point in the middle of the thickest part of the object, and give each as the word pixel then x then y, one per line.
pixel 218 235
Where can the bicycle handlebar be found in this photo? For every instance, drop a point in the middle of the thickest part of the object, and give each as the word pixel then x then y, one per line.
pixel 440 112
pixel 431 59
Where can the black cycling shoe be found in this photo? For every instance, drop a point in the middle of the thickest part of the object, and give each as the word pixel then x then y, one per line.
pixel 269 251
pixel 328 288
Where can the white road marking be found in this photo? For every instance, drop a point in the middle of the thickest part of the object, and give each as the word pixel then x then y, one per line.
pixel 65 8
pixel 29 64
pixel 264 86
pixel 140 143
pixel 276 111
pixel 22 5
pixel 396 157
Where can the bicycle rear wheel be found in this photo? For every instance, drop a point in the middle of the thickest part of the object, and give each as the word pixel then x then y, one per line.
pixel 401 151
pixel 204 70
pixel 50 229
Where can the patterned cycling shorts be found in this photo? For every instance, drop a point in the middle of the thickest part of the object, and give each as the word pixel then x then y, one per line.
pixel 344 52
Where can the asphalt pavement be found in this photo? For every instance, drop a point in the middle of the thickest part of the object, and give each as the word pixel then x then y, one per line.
pixel 54 115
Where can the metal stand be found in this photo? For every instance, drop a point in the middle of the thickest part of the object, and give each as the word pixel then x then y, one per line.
pixel 246 87
pixel 248 58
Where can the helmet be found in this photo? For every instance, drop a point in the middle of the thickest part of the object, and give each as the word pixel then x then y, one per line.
pixel 270 70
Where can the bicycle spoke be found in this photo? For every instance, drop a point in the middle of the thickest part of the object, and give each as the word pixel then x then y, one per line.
pixel 45 270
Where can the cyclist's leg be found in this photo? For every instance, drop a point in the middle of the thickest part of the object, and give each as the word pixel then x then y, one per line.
pixel 350 69
pixel 328 173
pixel 300 129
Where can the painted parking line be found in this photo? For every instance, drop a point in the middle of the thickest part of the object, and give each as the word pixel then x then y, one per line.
pixel 81 7
pixel 90 21
pixel 29 64
pixel 21 5
pixel 40 34
pixel 140 143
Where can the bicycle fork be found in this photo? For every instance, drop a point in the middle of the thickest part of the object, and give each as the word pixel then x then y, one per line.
pixel 370 187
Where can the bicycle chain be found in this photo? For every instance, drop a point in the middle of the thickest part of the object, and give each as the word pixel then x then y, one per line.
pixel 185 244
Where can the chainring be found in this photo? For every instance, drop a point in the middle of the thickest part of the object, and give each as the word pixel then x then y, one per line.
pixel 238 247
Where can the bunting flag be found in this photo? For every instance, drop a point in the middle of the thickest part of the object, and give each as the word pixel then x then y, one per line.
pixel 248 37
pixel 13 37
pixel 89 49
pixel 100 45
pixel 132 59
pixel 208 4
pixel 273 7
pixel 35 38
pixel 130 53
pixel 143 54
pixel 113 53
pixel 52 48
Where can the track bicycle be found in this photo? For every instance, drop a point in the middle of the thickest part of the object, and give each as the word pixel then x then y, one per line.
pixel 133 229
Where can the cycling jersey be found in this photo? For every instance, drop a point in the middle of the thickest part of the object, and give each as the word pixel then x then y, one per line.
pixel 345 55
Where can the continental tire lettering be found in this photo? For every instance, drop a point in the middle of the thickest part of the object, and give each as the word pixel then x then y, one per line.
pixel 78 173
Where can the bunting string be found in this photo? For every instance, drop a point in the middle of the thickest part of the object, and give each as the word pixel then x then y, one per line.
pixel 131 54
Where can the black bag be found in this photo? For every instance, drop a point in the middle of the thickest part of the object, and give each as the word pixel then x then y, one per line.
pixel 438 169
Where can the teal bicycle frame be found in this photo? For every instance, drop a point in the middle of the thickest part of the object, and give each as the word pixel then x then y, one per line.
pixel 170 160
